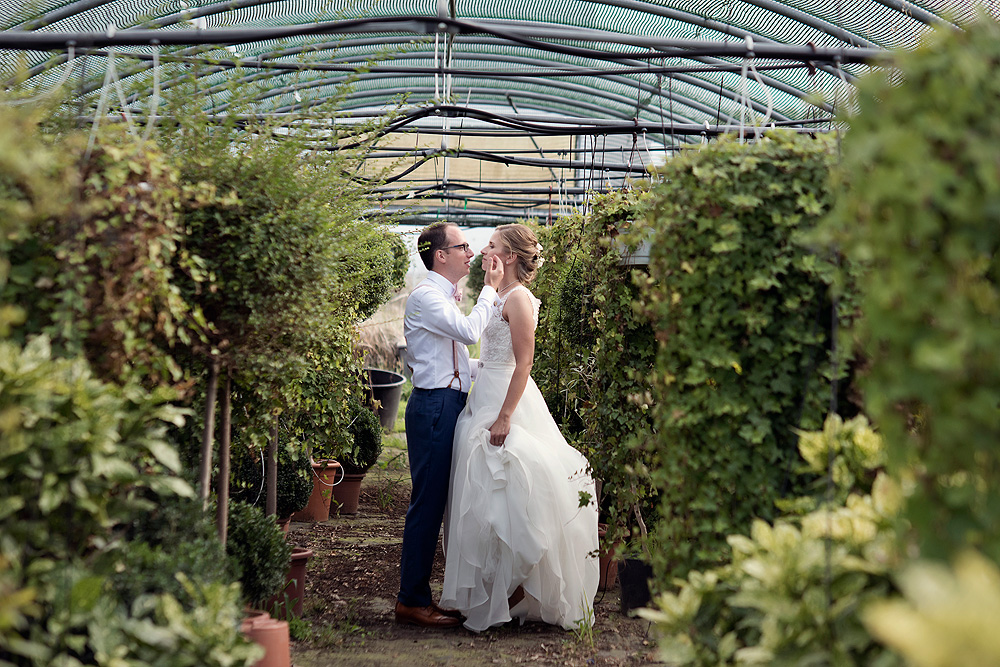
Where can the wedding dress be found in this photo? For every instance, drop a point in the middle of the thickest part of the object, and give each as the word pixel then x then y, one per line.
pixel 514 515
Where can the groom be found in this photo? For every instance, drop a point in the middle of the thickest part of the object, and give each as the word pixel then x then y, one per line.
pixel 436 337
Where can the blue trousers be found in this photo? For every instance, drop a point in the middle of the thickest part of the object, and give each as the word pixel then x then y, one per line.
pixel 430 428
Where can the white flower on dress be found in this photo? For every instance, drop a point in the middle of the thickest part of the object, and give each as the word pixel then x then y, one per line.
pixel 538 249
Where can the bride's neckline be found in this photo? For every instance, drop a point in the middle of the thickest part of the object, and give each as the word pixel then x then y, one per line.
pixel 515 283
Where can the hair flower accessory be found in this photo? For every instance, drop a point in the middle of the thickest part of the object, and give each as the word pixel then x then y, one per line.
pixel 540 259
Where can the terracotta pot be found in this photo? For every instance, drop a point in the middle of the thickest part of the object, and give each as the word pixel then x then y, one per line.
pixel 272 635
pixel 326 475
pixel 607 562
pixel 292 594
pixel 348 492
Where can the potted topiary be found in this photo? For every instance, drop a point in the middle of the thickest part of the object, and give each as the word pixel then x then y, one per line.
pixel 257 552
pixel 294 476
pixel 366 430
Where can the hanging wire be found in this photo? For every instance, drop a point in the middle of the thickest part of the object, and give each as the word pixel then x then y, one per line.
pixel 155 104
pixel 744 101
pixel 101 105
pixel 70 63
pixel 770 101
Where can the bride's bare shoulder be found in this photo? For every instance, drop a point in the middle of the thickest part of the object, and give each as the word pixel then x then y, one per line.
pixel 519 301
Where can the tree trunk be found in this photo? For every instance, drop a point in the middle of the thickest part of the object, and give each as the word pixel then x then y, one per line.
pixel 222 484
pixel 272 471
pixel 205 471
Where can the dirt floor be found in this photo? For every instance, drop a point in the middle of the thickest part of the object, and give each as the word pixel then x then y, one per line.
pixel 351 586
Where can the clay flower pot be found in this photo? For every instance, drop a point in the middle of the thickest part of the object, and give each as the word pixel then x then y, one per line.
pixel 261 629
pixel 294 591
pixel 326 475
pixel 348 493
pixel 608 563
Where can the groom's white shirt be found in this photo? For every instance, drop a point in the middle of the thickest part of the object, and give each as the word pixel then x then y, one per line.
pixel 431 324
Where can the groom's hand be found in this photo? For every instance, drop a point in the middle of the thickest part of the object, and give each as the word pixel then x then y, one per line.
pixel 494 272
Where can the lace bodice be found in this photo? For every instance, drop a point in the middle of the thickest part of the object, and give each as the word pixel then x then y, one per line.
pixel 497 347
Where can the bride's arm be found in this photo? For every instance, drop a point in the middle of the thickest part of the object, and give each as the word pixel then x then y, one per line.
pixel 518 311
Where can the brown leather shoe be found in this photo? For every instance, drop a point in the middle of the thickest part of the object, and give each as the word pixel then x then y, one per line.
pixel 426 617
pixel 453 613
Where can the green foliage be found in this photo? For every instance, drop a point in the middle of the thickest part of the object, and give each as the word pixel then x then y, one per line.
pixel 77 454
pixel 290 259
pixel 366 432
pixel 948 616
pixel 89 626
pixel 741 309
pixel 922 174
pixel 295 481
pixel 791 593
pixel 257 552
pixel 849 452
pixel 384 264
pixel 477 276
pixel 97 278
pixel 319 417
pixel 175 537
pixel 597 385
pixel 86 466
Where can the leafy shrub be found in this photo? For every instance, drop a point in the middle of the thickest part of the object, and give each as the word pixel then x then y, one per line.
pixel 366 447
pixel 294 475
pixel 594 353
pixel 742 313
pixel 88 625
pixel 98 278
pixel 477 276
pixel 257 552
pixel 175 537
pixel 791 593
pixel 84 463
pixel 947 617
pixel 920 212
pixel 79 457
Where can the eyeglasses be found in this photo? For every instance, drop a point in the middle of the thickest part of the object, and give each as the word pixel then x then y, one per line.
pixel 463 246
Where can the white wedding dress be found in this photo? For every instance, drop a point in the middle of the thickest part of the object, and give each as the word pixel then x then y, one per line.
pixel 514 515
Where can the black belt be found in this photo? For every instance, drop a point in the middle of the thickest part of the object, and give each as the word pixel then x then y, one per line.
pixel 430 391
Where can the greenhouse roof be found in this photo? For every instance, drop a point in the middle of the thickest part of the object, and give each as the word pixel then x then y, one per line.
pixel 575 95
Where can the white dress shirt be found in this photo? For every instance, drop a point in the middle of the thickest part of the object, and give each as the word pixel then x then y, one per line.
pixel 433 323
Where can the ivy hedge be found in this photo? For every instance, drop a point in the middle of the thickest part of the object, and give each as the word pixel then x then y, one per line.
pixel 740 303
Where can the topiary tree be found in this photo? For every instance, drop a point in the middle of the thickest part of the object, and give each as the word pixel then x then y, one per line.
pixel 742 313
pixel 97 277
pixel 257 552
pixel 366 439
pixel 920 211
pixel 292 260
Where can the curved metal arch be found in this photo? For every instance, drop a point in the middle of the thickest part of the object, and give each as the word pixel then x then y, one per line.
pixel 612 34
pixel 622 101
pixel 625 82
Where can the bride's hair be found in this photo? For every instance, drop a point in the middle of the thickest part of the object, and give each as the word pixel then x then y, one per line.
pixel 521 241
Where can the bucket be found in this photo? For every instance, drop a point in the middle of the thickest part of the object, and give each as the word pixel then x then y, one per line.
pixel 634 577
pixel 387 388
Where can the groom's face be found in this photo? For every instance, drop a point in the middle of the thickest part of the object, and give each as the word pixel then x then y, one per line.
pixel 452 262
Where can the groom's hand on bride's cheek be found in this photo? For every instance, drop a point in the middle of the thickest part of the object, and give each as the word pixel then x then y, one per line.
pixel 494 273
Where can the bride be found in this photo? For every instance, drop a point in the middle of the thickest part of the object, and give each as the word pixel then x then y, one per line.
pixel 518 544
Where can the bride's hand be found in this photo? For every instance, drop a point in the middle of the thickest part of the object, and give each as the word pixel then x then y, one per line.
pixel 499 431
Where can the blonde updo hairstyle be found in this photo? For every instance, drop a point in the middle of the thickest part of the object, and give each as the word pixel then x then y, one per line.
pixel 521 241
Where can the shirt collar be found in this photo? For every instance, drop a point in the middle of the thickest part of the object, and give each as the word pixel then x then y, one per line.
pixel 441 282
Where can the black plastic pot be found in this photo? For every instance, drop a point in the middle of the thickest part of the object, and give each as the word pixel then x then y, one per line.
pixel 634 575
pixel 386 387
